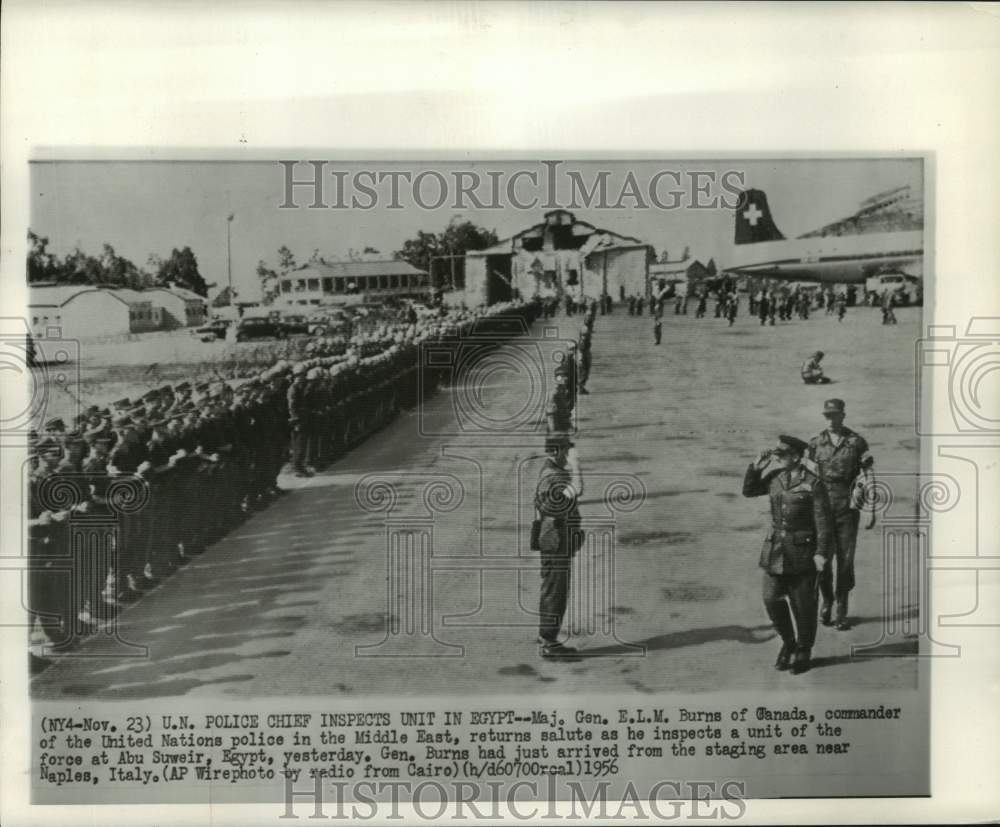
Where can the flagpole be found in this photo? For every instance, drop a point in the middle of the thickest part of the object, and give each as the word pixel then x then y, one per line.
pixel 229 254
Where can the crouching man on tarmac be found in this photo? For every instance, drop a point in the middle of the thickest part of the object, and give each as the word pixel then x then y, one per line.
pixel 795 550
pixel 812 370
pixel 558 533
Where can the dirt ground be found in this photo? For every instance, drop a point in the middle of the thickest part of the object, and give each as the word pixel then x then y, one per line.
pixel 281 604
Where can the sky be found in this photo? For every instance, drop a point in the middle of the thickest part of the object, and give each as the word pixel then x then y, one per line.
pixel 151 207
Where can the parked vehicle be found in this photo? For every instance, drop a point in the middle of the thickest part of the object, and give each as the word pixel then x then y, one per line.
pixel 905 289
pixel 214 330
pixel 260 327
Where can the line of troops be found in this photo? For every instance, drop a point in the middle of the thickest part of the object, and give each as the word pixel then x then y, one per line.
pixel 174 471
pixel 556 531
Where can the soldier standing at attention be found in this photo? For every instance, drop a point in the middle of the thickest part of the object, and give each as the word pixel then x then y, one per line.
pixel 560 486
pixel 585 357
pixel 297 421
pixel 795 549
pixel 559 414
pixel 570 367
pixel 841 455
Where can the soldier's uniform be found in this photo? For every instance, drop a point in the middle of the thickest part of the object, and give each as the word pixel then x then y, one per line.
pixel 297 415
pixel 556 495
pixel 569 367
pixel 586 357
pixel 800 529
pixel 839 465
pixel 559 413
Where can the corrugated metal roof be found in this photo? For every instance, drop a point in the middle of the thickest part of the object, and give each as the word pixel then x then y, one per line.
pixel 180 292
pixel 577 227
pixel 358 269
pixel 130 296
pixel 60 294
pixel 56 296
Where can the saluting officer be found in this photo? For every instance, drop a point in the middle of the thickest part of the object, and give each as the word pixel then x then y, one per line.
pixel 559 488
pixel 795 549
pixel 841 455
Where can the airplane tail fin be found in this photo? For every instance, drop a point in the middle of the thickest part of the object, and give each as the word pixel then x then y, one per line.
pixel 753 219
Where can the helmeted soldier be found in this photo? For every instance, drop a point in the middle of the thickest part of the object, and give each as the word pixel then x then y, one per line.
pixel 796 548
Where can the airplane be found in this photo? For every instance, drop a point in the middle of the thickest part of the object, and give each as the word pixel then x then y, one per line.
pixel 760 249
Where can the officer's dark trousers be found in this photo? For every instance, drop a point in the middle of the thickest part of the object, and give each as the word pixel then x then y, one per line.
pixel 845 536
pixel 554 592
pixel 800 589
pixel 299 445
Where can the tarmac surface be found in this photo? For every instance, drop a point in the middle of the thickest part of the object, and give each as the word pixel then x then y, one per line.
pixel 282 605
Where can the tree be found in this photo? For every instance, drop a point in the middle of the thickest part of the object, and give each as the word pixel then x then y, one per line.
pixel 457 239
pixel 42 265
pixel 286 259
pixel 269 285
pixel 182 269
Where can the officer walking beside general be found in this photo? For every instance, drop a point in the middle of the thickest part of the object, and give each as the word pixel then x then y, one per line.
pixel 796 548
pixel 840 455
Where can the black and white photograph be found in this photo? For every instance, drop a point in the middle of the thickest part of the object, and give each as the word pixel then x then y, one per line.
pixel 563 447
pixel 491 428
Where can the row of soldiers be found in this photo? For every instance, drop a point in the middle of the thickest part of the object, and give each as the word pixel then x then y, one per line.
pixel 556 530
pixel 175 470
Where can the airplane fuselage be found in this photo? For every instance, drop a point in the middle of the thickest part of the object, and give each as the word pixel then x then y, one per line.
pixel 830 259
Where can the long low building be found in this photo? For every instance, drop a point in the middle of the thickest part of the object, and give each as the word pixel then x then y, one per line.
pixel 340 282
pixel 559 256
pixel 84 311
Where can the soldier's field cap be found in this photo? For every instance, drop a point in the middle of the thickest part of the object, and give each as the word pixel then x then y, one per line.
pixel 793 443
pixel 833 406
pixel 121 403
pixel 182 386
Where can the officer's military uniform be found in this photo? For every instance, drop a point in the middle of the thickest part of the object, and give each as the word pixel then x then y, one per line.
pixel 586 357
pixel 800 529
pixel 839 465
pixel 556 495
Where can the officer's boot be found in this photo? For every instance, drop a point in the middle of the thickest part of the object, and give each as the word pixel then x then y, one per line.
pixel 801 661
pixel 842 623
pixel 784 655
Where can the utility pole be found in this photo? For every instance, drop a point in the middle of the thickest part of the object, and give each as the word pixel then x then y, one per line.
pixel 229 255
